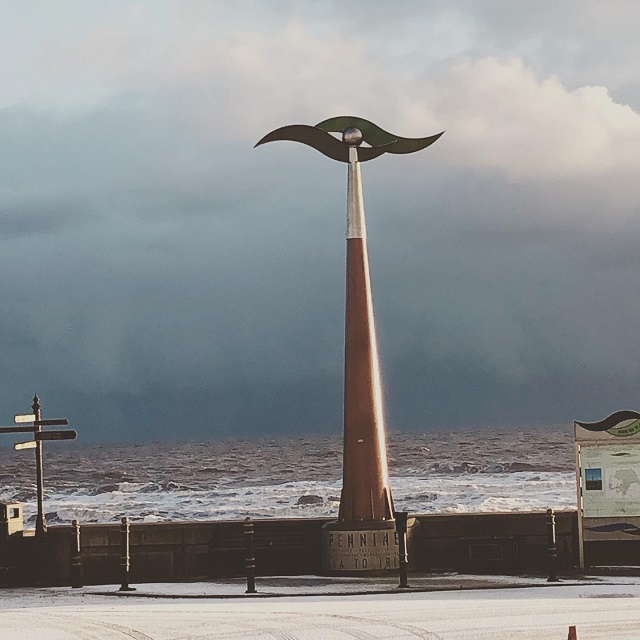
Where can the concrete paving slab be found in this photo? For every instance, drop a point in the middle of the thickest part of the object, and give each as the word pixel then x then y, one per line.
pixel 287 586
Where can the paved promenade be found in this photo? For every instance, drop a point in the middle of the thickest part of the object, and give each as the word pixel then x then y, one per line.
pixel 447 607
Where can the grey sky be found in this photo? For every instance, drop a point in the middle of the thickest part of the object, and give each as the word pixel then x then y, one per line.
pixel 162 279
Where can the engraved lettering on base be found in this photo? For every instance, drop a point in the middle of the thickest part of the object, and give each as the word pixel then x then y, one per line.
pixel 360 551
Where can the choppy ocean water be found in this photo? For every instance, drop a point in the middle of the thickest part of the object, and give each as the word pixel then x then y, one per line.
pixel 468 471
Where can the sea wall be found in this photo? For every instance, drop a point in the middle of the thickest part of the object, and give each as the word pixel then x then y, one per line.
pixel 510 543
pixel 182 551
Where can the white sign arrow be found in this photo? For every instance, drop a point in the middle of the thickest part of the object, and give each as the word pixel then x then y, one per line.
pixel 25 445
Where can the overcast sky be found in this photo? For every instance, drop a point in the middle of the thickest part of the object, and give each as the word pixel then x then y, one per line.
pixel 162 279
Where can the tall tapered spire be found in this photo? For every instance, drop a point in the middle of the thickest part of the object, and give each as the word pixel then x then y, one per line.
pixel 362 539
pixel 366 495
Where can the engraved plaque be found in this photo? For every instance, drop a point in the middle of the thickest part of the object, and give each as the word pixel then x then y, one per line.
pixel 354 551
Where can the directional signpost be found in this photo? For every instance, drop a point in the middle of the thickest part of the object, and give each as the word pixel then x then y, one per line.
pixel 68 434
pixel 39 436
pixel 29 417
pixel 19 446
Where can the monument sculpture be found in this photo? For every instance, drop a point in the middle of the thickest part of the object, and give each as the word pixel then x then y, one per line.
pixel 362 539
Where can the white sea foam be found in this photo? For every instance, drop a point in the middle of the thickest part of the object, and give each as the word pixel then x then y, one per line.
pixel 464 472
pixel 435 494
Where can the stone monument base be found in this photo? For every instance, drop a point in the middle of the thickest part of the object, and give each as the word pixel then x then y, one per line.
pixel 360 548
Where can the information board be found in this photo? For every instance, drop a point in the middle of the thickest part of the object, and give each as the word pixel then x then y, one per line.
pixel 608 476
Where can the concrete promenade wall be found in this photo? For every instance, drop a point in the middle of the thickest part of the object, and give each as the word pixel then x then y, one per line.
pixel 183 551
pixel 493 542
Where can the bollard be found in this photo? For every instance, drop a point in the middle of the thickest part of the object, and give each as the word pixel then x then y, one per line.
pixel 552 550
pixel 76 558
pixel 125 556
pixel 403 557
pixel 249 561
pixel 573 634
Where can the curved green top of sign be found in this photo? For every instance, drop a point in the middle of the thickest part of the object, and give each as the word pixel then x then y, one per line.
pixel 625 428
pixel 620 424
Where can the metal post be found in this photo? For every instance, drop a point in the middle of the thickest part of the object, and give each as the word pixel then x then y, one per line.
pixel 250 561
pixel 403 557
pixel 125 556
pixel 581 560
pixel 76 557
pixel 552 550
pixel 366 492
pixel 41 523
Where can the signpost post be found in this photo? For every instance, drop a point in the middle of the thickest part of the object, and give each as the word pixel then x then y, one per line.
pixel 39 436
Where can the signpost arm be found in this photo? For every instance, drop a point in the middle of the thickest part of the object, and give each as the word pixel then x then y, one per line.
pixel 41 525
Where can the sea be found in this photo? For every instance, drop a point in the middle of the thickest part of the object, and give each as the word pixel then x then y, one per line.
pixel 449 472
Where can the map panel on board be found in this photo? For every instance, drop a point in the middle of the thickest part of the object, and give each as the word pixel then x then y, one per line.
pixel 611 480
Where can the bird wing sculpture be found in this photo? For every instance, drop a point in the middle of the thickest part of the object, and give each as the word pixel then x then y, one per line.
pixel 354 131
pixel 377 137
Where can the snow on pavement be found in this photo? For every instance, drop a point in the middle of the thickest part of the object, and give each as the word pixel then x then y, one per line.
pixel 609 610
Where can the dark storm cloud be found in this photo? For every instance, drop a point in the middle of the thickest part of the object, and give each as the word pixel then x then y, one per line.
pixel 162 279
pixel 158 309
pixel 175 311
pixel 25 217
pixel 152 319
pixel 490 315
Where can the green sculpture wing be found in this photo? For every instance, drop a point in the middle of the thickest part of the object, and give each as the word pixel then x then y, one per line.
pixel 323 142
pixel 376 136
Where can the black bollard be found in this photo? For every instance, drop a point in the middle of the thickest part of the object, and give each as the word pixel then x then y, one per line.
pixel 76 557
pixel 552 550
pixel 403 557
pixel 249 561
pixel 125 555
